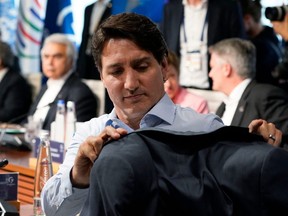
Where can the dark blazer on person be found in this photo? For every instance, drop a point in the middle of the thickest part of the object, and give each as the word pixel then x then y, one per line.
pixel 269 52
pixel 15 97
pixel 153 172
pixel 85 65
pixel 224 21
pixel 261 101
pixel 73 90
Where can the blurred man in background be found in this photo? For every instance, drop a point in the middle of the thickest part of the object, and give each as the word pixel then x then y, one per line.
pixel 15 92
pixel 58 59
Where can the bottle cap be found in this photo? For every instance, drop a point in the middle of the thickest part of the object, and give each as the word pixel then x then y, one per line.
pixel 44 133
pixel 60 102
pixel 70 104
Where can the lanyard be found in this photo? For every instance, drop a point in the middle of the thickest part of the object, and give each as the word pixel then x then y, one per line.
pixel 202 32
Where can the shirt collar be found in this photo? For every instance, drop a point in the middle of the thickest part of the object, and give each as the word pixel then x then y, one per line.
pixel 60 81
pixel 164 104
pixel 203 4
pixel 104 2
pixel 237 92
pixel 154 117
pixel 2 73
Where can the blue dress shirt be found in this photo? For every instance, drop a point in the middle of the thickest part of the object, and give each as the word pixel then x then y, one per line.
pixel 58 195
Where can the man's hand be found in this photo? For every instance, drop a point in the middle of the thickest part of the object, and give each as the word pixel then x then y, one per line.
pixel 88 153
pixel 268 131
pixel 281 27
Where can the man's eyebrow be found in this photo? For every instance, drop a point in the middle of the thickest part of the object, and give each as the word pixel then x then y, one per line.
pixel 114 65
pixel 140 60
pixel 134 62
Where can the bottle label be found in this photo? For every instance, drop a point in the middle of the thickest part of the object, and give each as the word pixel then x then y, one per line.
pixel 45 172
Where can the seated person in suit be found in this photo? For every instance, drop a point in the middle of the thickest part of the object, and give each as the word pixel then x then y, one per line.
pixel 15 92
pixel 178 94
pixel 58 58
pixel 233 72
pixel 131 55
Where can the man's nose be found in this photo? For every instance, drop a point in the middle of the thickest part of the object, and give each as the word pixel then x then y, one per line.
pixel 131 80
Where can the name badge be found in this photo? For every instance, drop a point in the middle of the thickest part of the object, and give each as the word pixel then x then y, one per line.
pixel 193 60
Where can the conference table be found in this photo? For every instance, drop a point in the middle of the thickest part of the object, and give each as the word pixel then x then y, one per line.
pixel 24 163
pixel 20 162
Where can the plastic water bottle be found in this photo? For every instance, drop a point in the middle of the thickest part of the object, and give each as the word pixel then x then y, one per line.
pixel 70 122
pixel 60 122
pixel 43 171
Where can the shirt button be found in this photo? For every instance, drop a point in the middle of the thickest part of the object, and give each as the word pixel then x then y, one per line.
pixel 67 191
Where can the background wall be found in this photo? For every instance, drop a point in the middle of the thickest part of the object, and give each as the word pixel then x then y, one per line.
pixel 78 7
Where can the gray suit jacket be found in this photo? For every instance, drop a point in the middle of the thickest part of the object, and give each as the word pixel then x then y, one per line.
pixel 261 101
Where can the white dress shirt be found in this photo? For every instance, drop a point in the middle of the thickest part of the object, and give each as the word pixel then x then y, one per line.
pixel 193 36
pixel 53 89
pixel 232 101
pixel 97 12
pixel 3 73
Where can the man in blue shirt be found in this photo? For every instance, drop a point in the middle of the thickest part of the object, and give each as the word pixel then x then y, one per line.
pixel 131 55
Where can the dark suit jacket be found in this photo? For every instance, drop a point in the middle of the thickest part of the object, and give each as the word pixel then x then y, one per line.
pixel 228 172
pixel 85 63
pixel 224 21
pixel 261 101
pixel 73 90
pixel 15 97
pixel 268 55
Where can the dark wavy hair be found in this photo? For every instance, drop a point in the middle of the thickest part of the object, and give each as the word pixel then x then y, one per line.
pixel 252 7
pixel 135 27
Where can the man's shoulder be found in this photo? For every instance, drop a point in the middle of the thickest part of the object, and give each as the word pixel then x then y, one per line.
pixel 14 76
pixel 266 89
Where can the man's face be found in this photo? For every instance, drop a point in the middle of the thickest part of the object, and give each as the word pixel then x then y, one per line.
pixel 55 63
pixel 171 85
pixel 133 78
pixel 217 72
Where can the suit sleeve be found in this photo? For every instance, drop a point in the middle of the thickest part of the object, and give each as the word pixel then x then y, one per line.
pixel 274 183
pixel 122 183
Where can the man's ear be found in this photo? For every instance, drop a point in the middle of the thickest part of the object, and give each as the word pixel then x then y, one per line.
pixel 228 69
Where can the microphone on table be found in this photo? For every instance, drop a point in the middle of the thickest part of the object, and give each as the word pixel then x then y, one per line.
pixel 3 163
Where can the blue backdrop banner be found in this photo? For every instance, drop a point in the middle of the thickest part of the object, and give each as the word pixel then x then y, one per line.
pixel 59 18
pixel 150 8
pixel 8 20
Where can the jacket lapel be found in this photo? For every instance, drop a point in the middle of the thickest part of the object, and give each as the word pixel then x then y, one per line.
pixel 240 111
pixel 221 110
pixel 39 96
